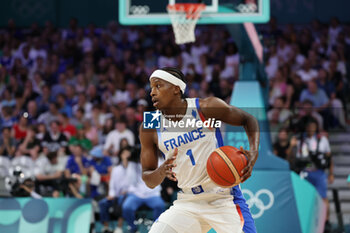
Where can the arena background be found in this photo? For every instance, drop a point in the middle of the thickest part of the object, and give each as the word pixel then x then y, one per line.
pixel 280 200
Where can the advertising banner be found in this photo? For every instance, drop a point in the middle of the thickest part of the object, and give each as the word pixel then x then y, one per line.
pixel 270 197
pixel 47 215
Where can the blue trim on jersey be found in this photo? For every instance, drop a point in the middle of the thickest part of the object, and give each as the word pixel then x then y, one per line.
pixel 197 105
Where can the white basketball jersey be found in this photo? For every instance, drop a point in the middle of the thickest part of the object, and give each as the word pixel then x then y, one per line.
pixel 194 147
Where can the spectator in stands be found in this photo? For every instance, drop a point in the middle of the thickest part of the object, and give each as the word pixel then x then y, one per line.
pixel 333 31
pixel 78 164
pixel 284 50
pixel 168 57
pixel 106 129
pixel 6 59
pixel 279 114
pixel 84 104
pixel 66 128
pixel 93 95
pixel 7 119
pixel 59 88
pixel 278 86
pixel 132 123
pixel 30 145
pixel 81 139
pixel 18 109
pixel 47 174
pixel 297 87
pixel 91 132
pixel 38 82
pixel 23 55
pixel 7 143
pixel 32 111
pixel 325 83
pixel 20 129
pixel 44 100
pixel 322 104
pixel 37 49
pixel 272 62
pixel 283 146
pixel 54 140
pixel 139 194
pixel 111 146
pixel 50 115
pixel 309 113
pixel 78 117
pixel 98 119
pixel 307 73
pixel 313 158
pixel 28 92
pixel 337 104
pixel 122 177
pixel 41 131
pixel 101 167
pixel 70 95
pixel 13 85
pixel 63 106
pixel 7 99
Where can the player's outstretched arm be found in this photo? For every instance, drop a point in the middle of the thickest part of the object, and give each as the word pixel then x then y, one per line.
pixel 153 175
pixel 213 107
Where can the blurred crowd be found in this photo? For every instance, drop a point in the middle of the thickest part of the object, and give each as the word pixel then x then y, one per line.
pixel 72 99
pixel 307 67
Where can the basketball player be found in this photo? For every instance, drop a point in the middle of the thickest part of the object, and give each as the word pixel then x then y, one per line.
pixel 201 205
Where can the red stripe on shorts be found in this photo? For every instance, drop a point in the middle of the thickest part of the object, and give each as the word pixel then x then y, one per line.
pixel 240 214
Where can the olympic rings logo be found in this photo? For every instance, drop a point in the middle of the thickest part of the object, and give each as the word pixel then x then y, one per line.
pixel 247 8
pixel 256 200
pixel 139 10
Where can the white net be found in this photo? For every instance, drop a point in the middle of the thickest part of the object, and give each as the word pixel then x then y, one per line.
pixel 184 18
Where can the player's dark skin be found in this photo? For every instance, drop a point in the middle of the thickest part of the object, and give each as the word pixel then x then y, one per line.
pixel 166 97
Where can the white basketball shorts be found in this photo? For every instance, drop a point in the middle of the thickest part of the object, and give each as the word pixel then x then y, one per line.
pixel 199 213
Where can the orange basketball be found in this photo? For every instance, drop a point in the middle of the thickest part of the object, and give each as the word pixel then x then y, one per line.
pixel 225 164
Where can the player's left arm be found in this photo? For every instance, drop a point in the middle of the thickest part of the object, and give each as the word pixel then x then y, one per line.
pixel 213 107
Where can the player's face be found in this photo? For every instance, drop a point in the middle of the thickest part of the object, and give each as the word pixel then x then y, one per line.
pixel 162 93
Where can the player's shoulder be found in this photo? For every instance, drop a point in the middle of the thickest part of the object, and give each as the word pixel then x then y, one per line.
pixel 210 102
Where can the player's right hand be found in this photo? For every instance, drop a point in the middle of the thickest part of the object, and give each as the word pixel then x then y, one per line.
pixel 166 168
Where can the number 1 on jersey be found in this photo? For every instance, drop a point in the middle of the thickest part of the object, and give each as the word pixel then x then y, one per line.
pixel 189 153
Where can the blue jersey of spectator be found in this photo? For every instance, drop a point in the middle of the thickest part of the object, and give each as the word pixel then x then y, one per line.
pixel 7 122
pixel 73 166
pixel 101 165
pixel 100 162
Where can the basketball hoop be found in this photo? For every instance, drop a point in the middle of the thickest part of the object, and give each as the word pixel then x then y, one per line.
pixel 184 17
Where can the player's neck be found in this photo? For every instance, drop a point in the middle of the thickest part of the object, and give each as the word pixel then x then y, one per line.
pixel 177 109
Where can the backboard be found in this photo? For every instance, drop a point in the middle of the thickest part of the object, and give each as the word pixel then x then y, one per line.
pixel 148 12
